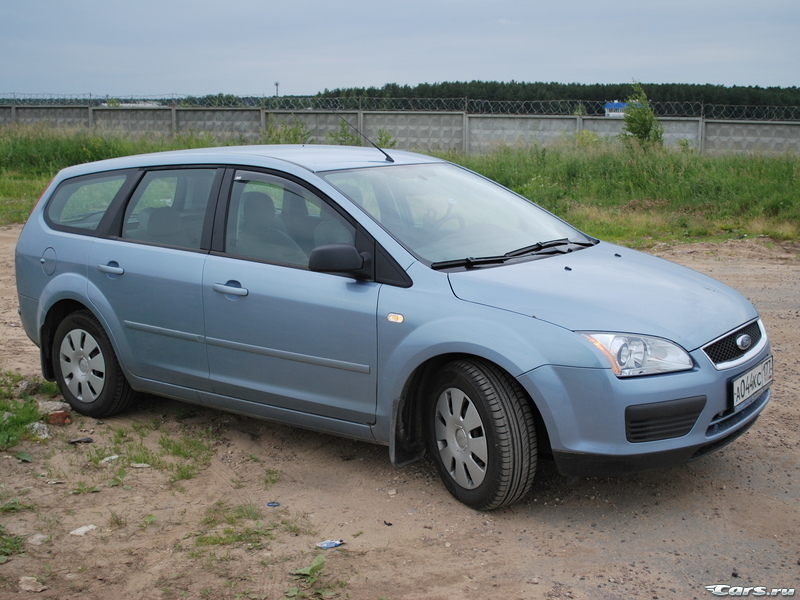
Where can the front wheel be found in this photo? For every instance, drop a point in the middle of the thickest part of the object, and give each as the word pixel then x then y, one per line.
pixel 480 430
pixel 87 370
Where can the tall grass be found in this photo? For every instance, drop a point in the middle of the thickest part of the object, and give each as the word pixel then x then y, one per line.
pixel 622 192
pixel 641 195
pixel 42 150
pixel 31 155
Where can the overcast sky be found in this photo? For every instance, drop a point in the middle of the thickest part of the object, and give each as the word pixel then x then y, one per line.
pixel 198 47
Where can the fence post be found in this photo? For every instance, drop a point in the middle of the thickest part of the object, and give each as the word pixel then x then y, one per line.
pixel 465 145
pixel 701 134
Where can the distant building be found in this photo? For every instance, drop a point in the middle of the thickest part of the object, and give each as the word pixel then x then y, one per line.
pixel 615 109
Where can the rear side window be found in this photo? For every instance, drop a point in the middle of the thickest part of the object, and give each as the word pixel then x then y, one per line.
pixel 169 207
pixel 81 204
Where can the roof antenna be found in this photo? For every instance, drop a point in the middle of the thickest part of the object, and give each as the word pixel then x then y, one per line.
pixel 374 145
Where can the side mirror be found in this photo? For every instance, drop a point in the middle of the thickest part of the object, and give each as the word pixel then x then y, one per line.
pixel 336 258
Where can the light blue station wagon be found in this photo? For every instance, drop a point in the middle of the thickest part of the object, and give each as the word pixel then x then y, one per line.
pixel 387 297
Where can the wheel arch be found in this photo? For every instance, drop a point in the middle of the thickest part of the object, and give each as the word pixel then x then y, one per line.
pixel 406 442
pixel 55 315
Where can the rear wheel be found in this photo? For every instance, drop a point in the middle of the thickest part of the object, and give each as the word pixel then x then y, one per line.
pixel 480 430
pixel 87 370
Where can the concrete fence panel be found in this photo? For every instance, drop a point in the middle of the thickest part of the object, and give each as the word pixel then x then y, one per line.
pixel 221 123
pixel 58 117
pixel 6 115
pixel 487 131
pixel 133 121
pixel 679 130
pixel 602 126
pixel 319 124
pixel 418 130
pixel 745 136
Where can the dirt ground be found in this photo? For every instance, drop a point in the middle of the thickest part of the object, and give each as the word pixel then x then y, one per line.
pixel 731 518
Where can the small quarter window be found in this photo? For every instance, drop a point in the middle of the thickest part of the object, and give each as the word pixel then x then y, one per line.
pixel 81 204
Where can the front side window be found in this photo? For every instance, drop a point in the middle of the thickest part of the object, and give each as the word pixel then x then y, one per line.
pixel 169 207
pixel 276 220
pixel 80 204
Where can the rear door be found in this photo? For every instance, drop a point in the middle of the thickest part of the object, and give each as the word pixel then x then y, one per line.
pixel 147 281
pixel 277 333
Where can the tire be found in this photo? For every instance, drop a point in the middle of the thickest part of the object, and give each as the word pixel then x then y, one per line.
pixel 87 370
pixel 481 433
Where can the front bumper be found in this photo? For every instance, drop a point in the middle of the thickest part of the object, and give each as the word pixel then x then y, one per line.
pixel 602 426
pixel 576 464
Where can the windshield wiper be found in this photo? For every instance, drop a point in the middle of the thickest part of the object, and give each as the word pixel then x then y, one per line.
pixel 539 246
pixel 469 262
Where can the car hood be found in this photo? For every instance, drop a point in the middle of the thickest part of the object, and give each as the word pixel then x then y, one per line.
pixel 610 288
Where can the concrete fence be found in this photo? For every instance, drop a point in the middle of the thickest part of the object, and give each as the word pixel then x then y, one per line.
pixel 417 130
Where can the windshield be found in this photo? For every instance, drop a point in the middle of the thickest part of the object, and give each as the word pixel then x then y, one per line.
pixel 441 212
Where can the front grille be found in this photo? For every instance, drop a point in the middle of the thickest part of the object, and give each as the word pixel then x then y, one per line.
pixel 725 349
pixel 662 420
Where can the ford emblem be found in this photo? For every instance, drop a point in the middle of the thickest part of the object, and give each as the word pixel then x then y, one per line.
pixel 743 342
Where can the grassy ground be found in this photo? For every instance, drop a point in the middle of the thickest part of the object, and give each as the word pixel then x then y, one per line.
pixel 629 194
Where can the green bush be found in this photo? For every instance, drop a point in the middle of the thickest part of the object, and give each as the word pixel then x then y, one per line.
pixel 281 132
pixel 640 121
pixel 344 136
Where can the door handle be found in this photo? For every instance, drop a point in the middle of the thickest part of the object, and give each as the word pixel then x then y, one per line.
pixel 231 288
pixel 112 268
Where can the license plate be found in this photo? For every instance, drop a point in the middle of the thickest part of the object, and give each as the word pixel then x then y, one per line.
pixel 751 383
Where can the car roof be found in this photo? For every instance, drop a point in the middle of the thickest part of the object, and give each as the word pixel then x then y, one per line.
pixel 314 158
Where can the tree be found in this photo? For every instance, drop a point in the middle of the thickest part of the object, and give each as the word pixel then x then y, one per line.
pixel 640 119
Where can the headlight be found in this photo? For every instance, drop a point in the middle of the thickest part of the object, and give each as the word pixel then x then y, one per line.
pixel 630 355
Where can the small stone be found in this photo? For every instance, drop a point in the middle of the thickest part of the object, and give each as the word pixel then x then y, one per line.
pixel 51 406
pixel 83 440
pixel 31 584
pixel 40 430
pixel 447 544
pixel 27 386
pixel 38 539
pixel 392 492
pixel 59 417
pixel 81 531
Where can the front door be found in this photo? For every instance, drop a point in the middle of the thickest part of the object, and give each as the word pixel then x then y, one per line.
pixel 277 333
